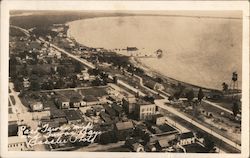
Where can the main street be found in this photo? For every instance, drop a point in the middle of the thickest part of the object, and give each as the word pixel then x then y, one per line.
pixel 25 117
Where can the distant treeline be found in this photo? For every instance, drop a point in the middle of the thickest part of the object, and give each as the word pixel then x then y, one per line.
pixel 48 18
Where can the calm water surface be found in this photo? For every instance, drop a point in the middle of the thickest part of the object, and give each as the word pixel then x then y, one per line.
pixel 201 51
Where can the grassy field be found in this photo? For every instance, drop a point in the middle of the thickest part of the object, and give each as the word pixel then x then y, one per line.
pixel 95 91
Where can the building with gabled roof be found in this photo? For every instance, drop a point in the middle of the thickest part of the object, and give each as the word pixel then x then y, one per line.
pixel 62 102
pixel 123 130
pixel 91 100
pixel 154 85
pixel 134 145
pixel 109 110
pixel 72 116
pixel 57 113
pixel 105 117
pixel 118 109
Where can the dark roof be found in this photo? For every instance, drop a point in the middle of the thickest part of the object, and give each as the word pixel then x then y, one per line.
pixel 49 104
pixel 166 128
pixel 117 108
pixel 75 99
pixel 111 98
pixel 141 126
pixel 195 148
pixel 12 130
pixel 98 108
pixel 72 115
pixel 105 117
pixel 109 110
pixel 60 120
pixel 63 99
pixel 124 125
pixel 158 115
pixel 53 124
pixel 150 83
pixel 141 102
pixel 90 98
pixel 57 113
pixel 186 135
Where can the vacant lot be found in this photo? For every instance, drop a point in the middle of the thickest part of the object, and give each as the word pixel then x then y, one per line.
pixel 95 91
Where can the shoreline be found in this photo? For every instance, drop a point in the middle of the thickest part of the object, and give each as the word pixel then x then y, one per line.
pixel 136 61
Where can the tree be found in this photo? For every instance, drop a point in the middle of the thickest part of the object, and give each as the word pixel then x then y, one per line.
pixel 34 85
pixel 149 99
pixel 78 67
pixel 200 95
pixel 159 80
pixel 61 71
pixel 190 96
pixel 23 71
pixel 236 108
pixel 96 82
pixel 224 87
pixel 94 72
pixel 48 85
pixel 209 143
pixel 59 83
pixel 52 71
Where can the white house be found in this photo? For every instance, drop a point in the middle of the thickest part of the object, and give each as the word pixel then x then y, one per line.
pixel 53 53
pixel 26 83
pixel 159 119
pixel 84 75
pixel 186 138
pixel 62 103
pixel 36 106
pixel 16 143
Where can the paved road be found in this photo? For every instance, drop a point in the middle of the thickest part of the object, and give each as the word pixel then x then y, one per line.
pixel 23 115
pixel 68 89
pixel 131 88
pixel 26 32
pixel 83 61
pixel 161 103
pixel 167 94
pixel 141 83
